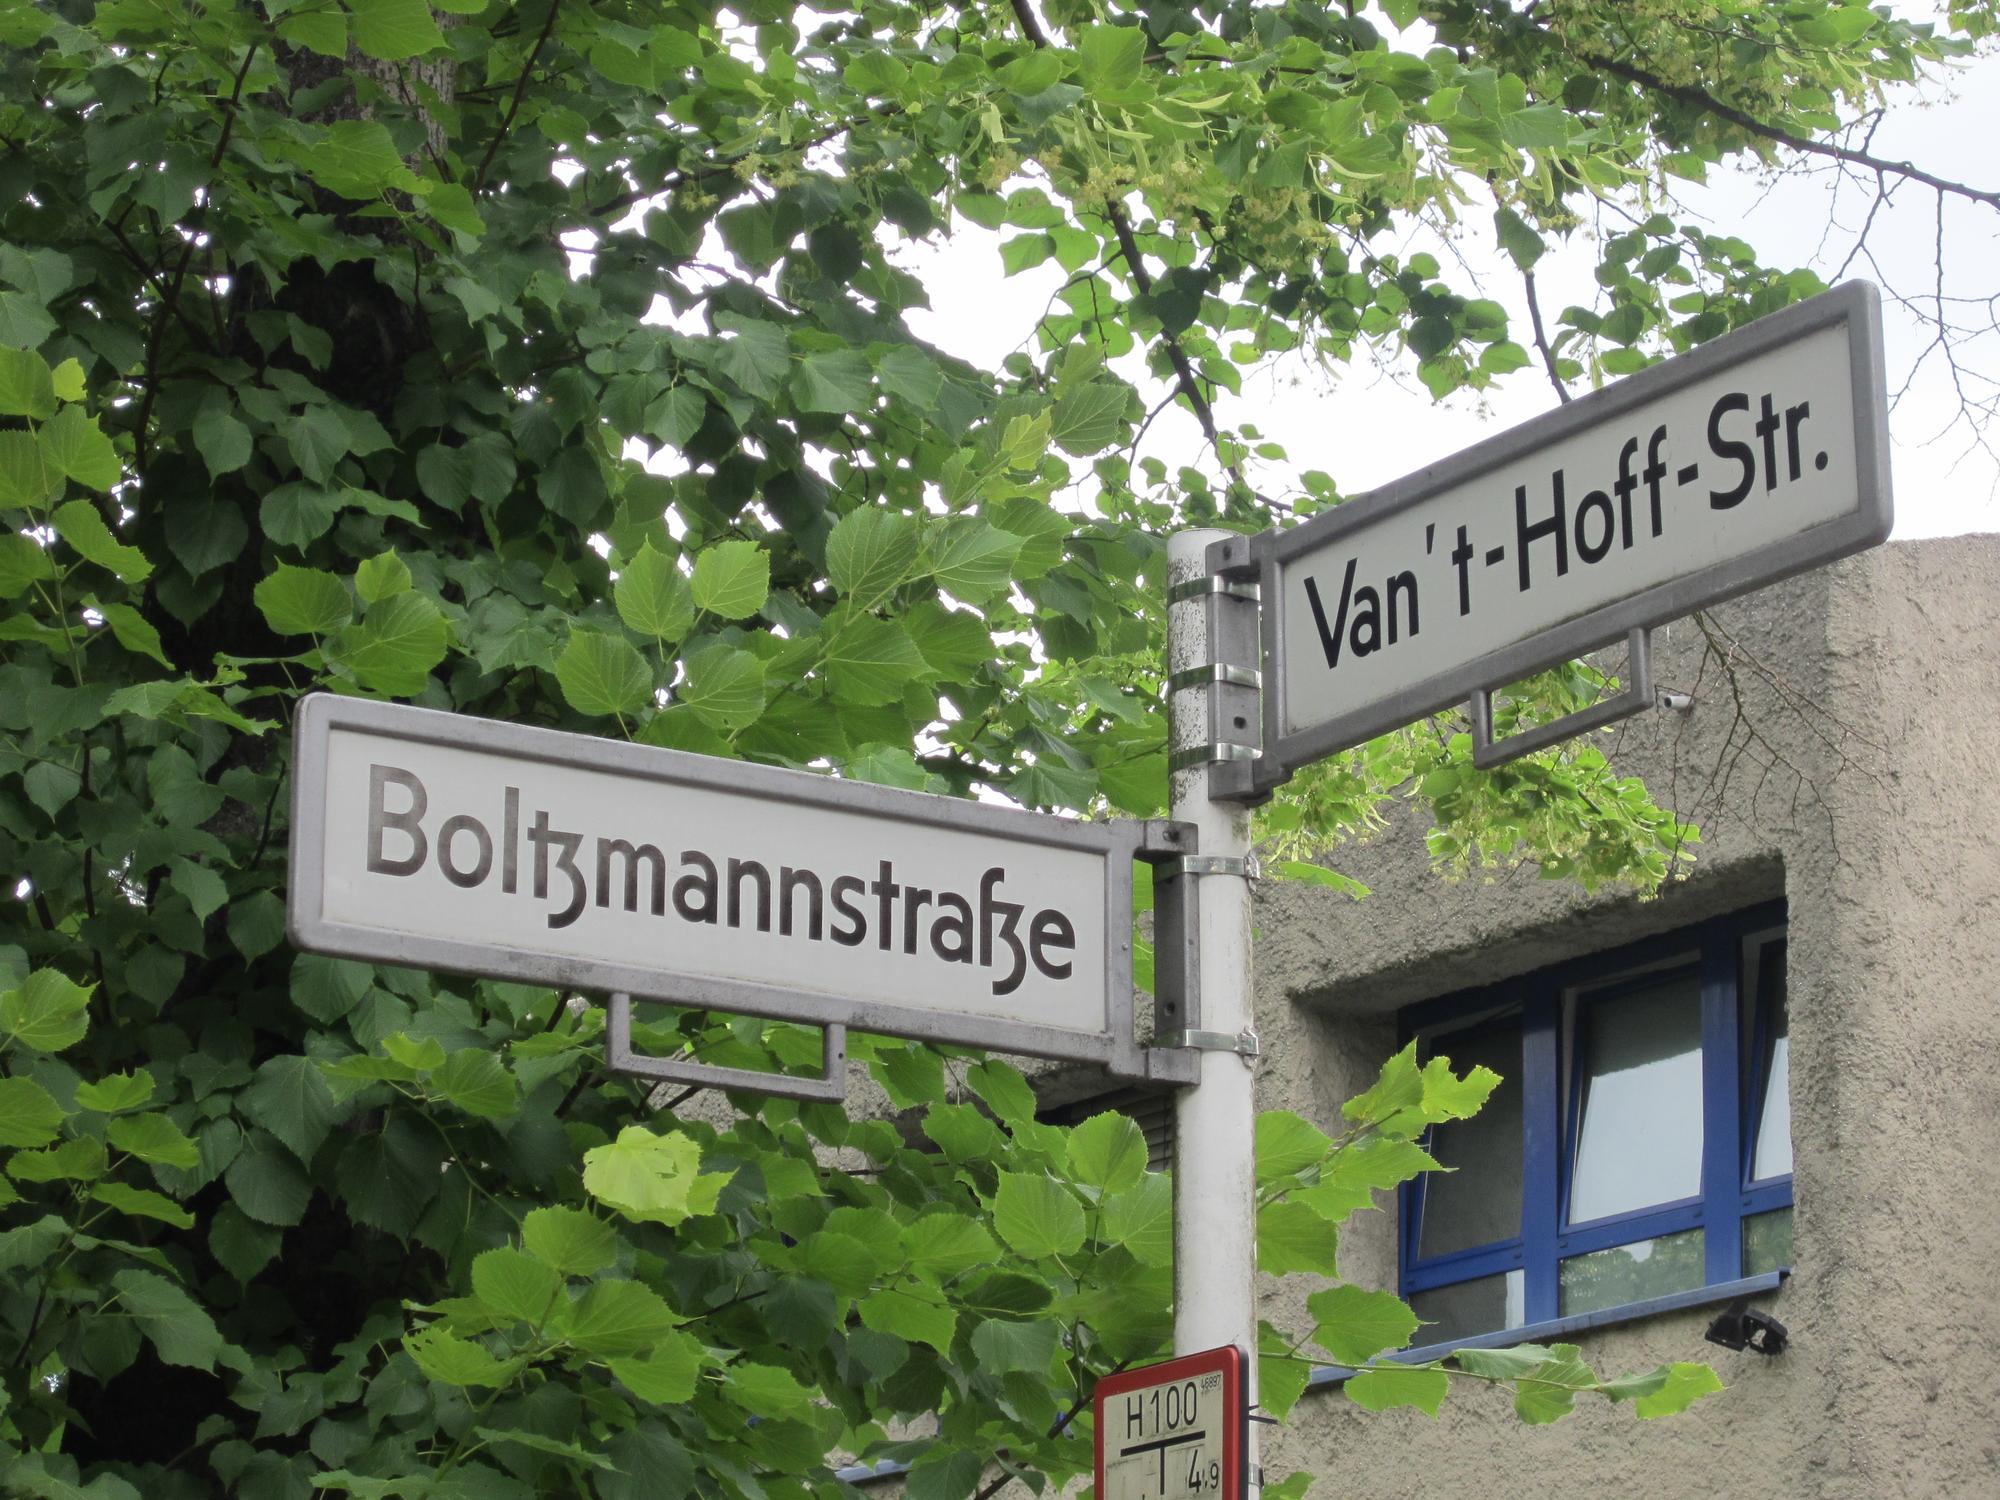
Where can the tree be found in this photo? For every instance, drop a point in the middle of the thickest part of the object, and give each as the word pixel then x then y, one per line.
pixel 549 362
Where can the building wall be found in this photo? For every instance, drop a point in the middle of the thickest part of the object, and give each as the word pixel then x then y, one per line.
pixel 1838 753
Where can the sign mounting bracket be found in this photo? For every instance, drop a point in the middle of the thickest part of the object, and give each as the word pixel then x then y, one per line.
pixel 1637 697
pixel 829 1084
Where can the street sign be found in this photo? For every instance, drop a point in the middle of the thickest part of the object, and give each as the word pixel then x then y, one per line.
pixel 1750 459
pixel 448 842
pixel 1174 1431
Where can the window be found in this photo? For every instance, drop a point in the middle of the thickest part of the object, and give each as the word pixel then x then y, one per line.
pixel 1639 1143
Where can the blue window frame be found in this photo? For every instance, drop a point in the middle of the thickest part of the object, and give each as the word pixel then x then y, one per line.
pixel 1639 1144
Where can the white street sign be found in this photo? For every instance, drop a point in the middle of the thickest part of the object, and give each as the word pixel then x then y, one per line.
pixel 447 842
pixel 1752 458
pixel 1173 1431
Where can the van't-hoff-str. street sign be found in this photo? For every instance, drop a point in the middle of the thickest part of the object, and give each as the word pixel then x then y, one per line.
pixel 447 842
pixel 1754 457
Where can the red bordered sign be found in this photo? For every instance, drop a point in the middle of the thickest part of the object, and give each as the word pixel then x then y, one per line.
pixel 1174 1431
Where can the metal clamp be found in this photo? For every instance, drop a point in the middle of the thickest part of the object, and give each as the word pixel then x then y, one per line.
pixel 1209 864
pixel 1211 755
pixel 1221 672
pixel 1212 583
pixel 830 1084
pixel 1243 1043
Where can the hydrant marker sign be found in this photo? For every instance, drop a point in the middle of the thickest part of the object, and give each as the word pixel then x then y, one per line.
pixel 448 842
pixel 1751 458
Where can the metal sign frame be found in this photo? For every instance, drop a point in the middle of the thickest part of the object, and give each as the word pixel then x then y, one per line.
pixel 1226 1361
pixel 1265 556
pixel 1116 843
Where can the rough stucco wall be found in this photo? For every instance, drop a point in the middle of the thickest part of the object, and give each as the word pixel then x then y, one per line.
pixel 1835 755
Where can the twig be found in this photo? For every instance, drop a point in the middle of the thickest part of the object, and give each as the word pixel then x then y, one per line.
pixel 520 92
pixel 1542 338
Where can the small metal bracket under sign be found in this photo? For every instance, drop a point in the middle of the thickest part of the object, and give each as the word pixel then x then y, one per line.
pixel 1174 1431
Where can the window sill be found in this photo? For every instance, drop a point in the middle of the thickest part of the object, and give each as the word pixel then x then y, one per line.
pixel 1327 1376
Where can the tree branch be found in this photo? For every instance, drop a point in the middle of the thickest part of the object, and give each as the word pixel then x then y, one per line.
pixel 520 92
pixel 1703 99
pixel 1542 337
pixel 1184 373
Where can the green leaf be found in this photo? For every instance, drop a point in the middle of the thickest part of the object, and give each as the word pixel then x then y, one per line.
pixel 732 579
pixel 975 561
pixel 133 631
pixel 942 1245
pixel 1112 57
pixel 1037 1216
pixel 1399 1087
pixel 380 576
pixel 23 563
pixel 1386 1387
pixel 946 1472
pixel 1685 1384
pixel 870 661
pixel 267 1184
pixel 451 204
pixel 515 1285
pixel 1001 1345
pixel 142 1202
pixel 26 478
pixel 207 532
pixel 1286 1144
pixel 869 553
pixel 910 1317
pixel 303 601
pixel 651 1177
pixel 179 1329
pixel 615 1318
pixel 29 1114
pixel 1294 1237
pixel 675 416
pixel 445 1357
pixel 1108 1152
pixel 569 1240
pixel 116 1092
pixel 153 1139
pixel 290 1099
pixel 222 441
pixel 392 30
pixel 1142 1220
pixel 394 646
pixel 603 674
pixel 26 386
pixel 318 440
pixel 1003 1088
pixel 665 1377
pixel 324 32
pixel 477 1082
pixel 67 380
pixel 724 687
pixel 47 1012
pixel 653 597
pixel 79 524
pixel 1355 1325
pixel 839 380
pixel 1089 417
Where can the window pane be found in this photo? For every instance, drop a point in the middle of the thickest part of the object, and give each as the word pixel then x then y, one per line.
pixel 1640 1139
pixel 1469 1308
pixel 1767 1242
pixel 1479 1202
pixel 1632 1273
pixel 1773 1157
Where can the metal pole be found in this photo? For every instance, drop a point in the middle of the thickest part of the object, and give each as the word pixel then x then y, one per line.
pixel 1215 1245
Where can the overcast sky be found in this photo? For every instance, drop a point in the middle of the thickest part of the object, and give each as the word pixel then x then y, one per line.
pixel 1366 427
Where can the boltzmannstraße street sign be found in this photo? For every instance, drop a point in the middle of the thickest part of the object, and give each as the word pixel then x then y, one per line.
pixel 441 841
pixel 1752 458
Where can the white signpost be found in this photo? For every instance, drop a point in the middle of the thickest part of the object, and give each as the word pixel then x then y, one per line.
pixel 1752 458
pixel 1173 1431
pixel 446 842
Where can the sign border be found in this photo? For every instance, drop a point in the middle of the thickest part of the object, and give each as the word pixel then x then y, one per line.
pixel 1229 1361
pixel 1856 303
pixel 1117 843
